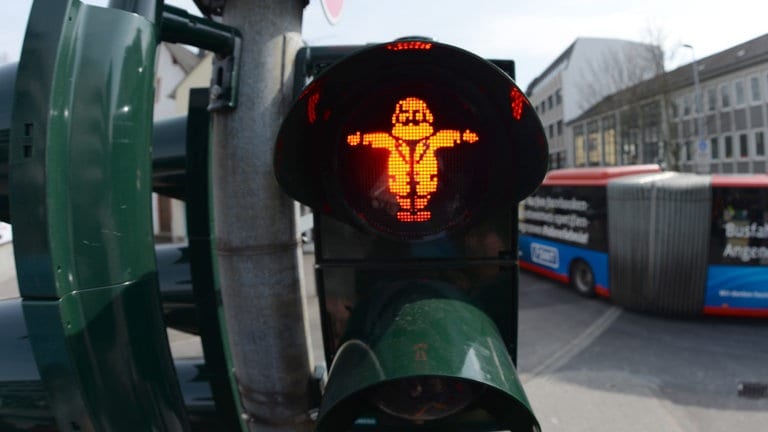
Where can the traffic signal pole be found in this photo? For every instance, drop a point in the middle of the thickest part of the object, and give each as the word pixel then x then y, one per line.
pixel 256 245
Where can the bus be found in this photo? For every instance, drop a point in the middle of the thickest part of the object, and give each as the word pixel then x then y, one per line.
pixel 654 241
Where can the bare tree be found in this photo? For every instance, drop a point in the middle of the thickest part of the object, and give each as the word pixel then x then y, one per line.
pixel 655 35
pixel 636 82
pixel 616 70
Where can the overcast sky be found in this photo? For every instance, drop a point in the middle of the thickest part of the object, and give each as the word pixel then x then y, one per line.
pixel 531 33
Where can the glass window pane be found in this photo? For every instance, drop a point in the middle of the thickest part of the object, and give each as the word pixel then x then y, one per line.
pixel 728 147
pixel 739 90
pixel 715 148
pixel 743 146
pixel 759 143
pixel 725 96
pixel 754 85
pixel 593 143
pixel 579 155
pixel 711 99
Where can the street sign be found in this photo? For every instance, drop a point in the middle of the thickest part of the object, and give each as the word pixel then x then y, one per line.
pixel 332 10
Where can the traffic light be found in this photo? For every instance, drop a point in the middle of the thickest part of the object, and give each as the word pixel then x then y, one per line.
pixel 413 155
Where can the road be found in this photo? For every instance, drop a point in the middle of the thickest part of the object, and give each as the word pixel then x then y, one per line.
pixel 587 365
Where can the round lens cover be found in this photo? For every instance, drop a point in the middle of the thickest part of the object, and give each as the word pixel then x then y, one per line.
pixel 413 160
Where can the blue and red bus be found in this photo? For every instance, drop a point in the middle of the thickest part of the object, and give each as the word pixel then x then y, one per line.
pixel 681 243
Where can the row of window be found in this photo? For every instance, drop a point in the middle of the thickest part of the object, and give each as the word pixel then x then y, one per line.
pixel 740 92
pixel 740 146
pixel 551 101
pixel 592 149
pixel 555 127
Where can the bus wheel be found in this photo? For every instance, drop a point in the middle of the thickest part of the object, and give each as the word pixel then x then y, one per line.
pixel 582 278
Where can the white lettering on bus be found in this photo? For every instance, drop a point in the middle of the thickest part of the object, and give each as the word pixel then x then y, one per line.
pixel 566 234
pixel 557 203
pixel 746 253
pixel 572 220
pixel 746 231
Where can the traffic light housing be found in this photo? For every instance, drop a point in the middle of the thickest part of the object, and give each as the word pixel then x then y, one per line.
pixel 413 155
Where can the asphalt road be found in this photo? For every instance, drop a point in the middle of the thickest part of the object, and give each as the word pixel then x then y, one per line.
pixel 587 365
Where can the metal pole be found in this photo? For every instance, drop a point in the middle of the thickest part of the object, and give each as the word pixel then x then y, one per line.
pixel 702 147
pixel 256 244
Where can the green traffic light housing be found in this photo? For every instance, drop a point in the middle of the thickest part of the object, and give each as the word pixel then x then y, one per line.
pixel 413 155
pixel 405 363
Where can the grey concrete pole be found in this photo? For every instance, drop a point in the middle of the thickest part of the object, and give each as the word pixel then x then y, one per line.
pixel 256 244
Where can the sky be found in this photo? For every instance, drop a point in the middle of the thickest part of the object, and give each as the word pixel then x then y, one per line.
pixel 531 33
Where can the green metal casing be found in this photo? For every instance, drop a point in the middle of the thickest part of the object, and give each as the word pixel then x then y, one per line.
pixel 423 328
pixel 80 205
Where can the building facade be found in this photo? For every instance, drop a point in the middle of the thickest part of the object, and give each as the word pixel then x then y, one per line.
pixel 568 86
pixel 662 120
pixel 173 64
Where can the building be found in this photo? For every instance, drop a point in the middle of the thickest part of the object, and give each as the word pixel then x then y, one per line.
pixel 198 77
pixel 568 86
pixel 174 63
pixel 659 120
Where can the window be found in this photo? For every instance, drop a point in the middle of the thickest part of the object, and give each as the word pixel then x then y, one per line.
pixel 759 143
pixel 543 107
pixel 609 140
pixel 688 150
pixel 673 109
pixel 551 131
pixel 711 99
pixel 549 102
pixel 743 146
pixel 686 105
pixel 715 148
pixel 559 127
pixel 728 146
pixel 725 96
pixel 579 155
pixel 558 97
pixel 754 86
pixel 593 143
pixel 738 88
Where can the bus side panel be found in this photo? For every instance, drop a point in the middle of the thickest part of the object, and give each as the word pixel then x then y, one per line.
pixel 737 290
pixel 737 279
pixel 553 259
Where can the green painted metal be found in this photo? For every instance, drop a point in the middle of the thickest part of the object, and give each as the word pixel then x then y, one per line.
pixel 421 328
pixel 178 26
pixel 210 311
pixel 80 188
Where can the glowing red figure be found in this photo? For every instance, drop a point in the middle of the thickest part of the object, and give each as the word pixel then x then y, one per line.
pixel 412 165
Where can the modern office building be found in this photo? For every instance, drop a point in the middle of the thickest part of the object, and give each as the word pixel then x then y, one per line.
pixel 588 70
pixel 662 119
